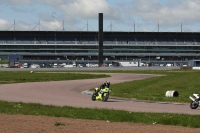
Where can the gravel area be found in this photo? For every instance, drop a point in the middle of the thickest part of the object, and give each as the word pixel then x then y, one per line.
pixel 44 124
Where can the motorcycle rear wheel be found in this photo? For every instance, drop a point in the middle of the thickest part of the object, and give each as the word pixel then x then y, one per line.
pixel 194 105
pixel 93 97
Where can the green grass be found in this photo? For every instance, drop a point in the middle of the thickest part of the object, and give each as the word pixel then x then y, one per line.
pixel 26 76
pixel 100 114
pixel 185 82
pixel 154 89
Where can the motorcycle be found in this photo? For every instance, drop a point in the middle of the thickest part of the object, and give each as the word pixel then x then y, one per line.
pixel 103 94
pixel 195 103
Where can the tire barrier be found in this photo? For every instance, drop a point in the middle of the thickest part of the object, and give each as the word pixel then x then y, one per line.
pixel 172 93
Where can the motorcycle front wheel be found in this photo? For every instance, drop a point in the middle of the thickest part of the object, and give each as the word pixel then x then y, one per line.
pixel 105 97
pixel 194 105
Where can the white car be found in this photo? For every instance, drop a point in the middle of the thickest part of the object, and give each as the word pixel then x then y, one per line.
pixel 34 66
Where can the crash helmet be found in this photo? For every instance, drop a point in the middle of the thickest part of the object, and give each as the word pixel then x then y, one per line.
pixel 108 83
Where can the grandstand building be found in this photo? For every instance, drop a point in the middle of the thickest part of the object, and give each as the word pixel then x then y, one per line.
pixel 82 46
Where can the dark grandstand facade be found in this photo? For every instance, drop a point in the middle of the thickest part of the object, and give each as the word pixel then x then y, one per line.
pixel 83 46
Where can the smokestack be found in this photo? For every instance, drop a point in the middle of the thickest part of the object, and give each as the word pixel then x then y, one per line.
pixel 100 39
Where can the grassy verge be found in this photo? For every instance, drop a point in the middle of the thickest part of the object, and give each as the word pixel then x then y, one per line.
pixel 25 76
pixel 154 89
pixel 101 114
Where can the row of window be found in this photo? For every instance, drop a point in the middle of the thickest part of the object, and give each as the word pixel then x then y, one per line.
pixel 78 47
pixel 53 38
pixel 96 42
pixel 94 51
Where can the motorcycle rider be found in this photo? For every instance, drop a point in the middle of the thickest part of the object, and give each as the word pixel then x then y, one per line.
pixel 106 84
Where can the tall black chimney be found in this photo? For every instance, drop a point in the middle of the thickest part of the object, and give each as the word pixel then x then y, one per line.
pixel 100 57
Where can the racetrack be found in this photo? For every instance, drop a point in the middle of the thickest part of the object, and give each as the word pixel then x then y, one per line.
pixel 70 93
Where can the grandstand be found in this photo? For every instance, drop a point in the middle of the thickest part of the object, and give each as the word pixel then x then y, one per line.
pixel 82 46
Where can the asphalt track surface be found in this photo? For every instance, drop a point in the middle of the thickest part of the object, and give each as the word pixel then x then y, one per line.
pixel 75 93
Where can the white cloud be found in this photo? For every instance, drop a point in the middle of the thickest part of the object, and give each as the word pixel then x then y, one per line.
pixel 10 26
pixel 170 13
pixel 50 25
pixel 22 26
pixel 89 9
pixel 3 22
pixel 75 13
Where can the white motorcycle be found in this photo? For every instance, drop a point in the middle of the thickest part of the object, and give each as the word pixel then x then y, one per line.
pixel 195 103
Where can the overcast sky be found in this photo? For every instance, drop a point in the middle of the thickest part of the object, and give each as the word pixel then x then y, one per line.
pixel 82 15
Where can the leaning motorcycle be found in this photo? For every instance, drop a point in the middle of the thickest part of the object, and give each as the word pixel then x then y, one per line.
pixel 103 94
pixel 195 102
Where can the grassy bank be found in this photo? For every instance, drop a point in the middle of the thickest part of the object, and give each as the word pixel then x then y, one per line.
pixel 154 89
pixel 101 114
pixel 7 77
